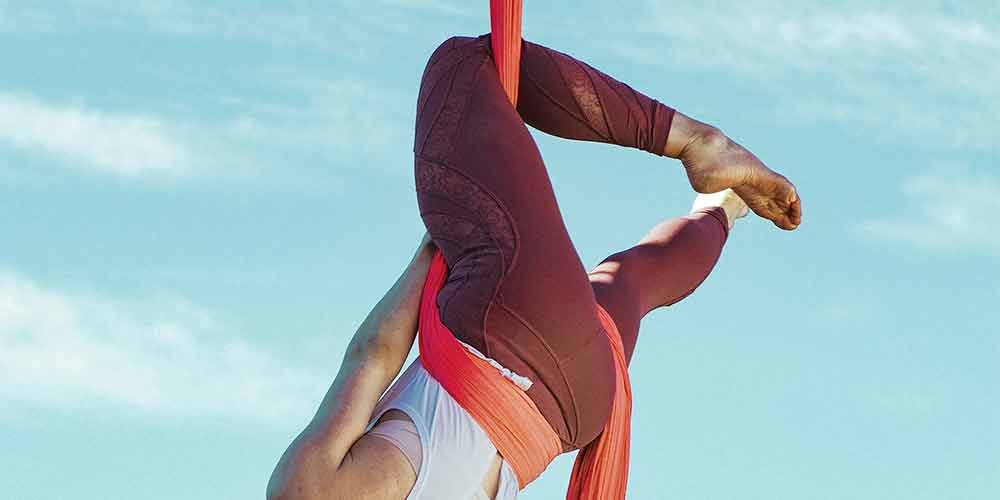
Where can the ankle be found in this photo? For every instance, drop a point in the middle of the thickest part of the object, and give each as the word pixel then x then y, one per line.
pixel 705 141
pixel 730 203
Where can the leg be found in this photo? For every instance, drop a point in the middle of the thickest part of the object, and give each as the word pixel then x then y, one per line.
pixel 667 265
pixel 516 289
pixel 563 96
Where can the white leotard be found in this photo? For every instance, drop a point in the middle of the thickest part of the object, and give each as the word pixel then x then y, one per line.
pixel 455 451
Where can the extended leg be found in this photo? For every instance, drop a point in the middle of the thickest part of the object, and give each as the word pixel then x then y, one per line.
pixel 668 264
pixel 563 96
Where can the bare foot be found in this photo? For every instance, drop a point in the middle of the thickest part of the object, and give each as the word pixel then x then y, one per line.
pixel 730 202
pixel 714 163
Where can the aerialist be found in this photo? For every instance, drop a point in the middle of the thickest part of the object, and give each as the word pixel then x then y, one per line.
pixel 498 271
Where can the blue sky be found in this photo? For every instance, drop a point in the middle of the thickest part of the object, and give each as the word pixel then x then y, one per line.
pixel 200 203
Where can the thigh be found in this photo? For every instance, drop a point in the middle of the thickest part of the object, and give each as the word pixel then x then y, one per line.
pixel 487 200
pixel 516 289
pixel 619 296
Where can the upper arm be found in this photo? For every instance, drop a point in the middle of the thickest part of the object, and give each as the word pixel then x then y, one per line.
pixel 332 458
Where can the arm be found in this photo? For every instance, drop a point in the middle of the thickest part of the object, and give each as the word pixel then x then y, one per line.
pixel 374 357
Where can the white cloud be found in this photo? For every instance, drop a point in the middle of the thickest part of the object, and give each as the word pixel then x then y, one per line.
pixel 119 144
pixel 361 30
pixel 771 38
pixel 906 72
pixel 321 122
pixel 945 213
pixel 162 356
pixel 332 116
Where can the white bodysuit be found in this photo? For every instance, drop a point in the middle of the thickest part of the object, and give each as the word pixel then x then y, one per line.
pixel 455 452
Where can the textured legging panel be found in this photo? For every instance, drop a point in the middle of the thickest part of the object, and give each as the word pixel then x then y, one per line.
pixel 516 288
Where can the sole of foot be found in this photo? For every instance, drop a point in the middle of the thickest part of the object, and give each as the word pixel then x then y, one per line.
pixel 714 163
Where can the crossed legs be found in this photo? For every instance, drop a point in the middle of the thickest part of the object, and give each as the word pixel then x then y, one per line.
pixel 517 290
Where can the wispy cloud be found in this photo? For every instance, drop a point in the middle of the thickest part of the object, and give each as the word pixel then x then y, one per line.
pixel 351 29
pixel 324 120
pixel 945 213
pixel 329 116
pixel 301 119
pixel 162 355
pixel 902 72
pixel 765 36
pixel 119 144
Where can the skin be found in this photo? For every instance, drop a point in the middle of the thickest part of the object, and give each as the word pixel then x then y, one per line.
pixel 715 162
pixel 333 458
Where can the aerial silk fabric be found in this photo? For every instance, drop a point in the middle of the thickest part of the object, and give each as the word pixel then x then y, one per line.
pixel 508 416
pixel 505 36
pixel 505 412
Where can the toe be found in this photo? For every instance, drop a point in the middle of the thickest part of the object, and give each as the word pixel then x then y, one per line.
pixel 785 223
pixel 795 211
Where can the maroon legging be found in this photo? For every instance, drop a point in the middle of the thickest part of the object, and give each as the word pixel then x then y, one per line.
pixel 516 289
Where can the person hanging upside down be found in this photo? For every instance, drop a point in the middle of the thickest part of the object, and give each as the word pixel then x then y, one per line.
pixel 517 294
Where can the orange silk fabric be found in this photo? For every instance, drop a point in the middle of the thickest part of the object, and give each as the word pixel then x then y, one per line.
pixel 505 37
pixel 510 418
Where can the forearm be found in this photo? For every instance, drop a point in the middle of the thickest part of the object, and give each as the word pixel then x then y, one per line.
pixel 372 360
pixel 377 351
pixel 387 333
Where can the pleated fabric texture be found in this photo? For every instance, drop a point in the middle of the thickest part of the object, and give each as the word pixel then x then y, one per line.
pixel 505 412
pixel 601 467
pixel 505 37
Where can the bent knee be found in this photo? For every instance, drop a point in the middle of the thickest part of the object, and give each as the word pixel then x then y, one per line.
pixel 613 270
pixel 448 46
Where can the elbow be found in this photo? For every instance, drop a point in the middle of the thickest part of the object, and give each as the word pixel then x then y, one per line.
pixel 285 486
pixel 278 495
pixel 304 475
pixel 285 494
pixel 302 488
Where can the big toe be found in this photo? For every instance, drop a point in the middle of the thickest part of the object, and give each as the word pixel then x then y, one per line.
pixel 795 211
pixel 786 223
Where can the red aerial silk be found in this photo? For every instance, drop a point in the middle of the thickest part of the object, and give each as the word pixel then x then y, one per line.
pixel 510 418
pixel 601 468
pixel 505 412
pixel 505 36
